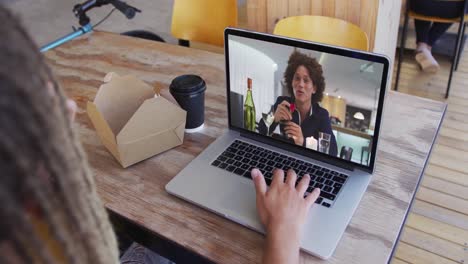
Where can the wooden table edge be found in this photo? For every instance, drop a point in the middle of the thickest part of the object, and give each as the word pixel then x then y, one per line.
pixel 413 196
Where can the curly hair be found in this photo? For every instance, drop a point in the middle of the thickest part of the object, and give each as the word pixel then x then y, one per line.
pixel 315 72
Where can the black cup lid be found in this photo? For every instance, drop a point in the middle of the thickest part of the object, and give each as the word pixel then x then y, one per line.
pixel 188 84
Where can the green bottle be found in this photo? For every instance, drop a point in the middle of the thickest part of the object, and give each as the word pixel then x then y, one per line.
pixel 249 108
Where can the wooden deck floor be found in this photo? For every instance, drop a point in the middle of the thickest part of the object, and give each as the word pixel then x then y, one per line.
pixel 437 227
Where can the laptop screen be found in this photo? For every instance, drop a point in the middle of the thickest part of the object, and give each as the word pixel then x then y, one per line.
pixel 316 97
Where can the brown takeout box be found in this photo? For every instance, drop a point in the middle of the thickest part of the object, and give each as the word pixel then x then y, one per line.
pixel 131 123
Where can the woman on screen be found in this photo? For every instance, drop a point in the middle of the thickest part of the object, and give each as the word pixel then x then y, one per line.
pixel 300 117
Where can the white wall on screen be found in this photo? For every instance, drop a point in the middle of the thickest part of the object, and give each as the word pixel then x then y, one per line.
pixel 247 62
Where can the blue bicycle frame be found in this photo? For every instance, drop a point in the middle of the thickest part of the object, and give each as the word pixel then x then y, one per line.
pixel 79 32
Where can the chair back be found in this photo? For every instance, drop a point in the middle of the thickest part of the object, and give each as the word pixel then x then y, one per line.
pixel 323 29
pixel 203 20
pixel 418 16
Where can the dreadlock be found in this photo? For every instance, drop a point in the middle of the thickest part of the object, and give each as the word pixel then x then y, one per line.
pixel 36 134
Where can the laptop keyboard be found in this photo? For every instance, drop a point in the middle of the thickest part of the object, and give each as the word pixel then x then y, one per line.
pixel 241 157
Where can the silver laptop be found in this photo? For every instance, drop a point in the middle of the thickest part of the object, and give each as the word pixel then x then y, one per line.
pixel 344 90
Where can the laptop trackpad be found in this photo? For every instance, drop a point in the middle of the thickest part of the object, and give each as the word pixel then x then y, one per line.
pixel 240 204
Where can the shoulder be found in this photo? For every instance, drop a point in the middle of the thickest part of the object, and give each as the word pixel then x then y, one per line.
pixel 320 111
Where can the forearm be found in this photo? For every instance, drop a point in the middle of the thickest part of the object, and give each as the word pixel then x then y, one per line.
pixel 281 248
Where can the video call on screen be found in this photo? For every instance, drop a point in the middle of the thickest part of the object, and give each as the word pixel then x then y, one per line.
pixel 320 101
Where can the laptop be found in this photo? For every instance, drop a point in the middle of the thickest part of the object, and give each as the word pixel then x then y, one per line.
pixel 340 132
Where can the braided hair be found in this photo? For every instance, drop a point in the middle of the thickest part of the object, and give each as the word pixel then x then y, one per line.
pixel 36 136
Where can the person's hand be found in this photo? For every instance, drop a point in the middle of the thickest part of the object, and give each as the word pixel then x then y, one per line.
pixel 294 131
pixel 283 210
pixel 282 112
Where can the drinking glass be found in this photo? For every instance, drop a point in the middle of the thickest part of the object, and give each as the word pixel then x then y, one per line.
pixel 268 116
pixel 324 142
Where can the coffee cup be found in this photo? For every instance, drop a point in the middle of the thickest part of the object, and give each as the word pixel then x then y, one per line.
pixel 189 92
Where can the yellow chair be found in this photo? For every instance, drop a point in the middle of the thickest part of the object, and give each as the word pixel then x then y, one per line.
pixel 457 49
pixel 323 29
pixel 203 20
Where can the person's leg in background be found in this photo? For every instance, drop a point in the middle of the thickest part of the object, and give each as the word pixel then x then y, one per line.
pixel 427 33
pixel 437 30
pixel 423 50
pixel 422 30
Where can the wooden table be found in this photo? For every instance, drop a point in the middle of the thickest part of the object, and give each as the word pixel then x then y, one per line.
pixel 137 193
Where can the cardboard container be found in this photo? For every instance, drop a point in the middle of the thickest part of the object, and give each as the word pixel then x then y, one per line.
pixel 131 123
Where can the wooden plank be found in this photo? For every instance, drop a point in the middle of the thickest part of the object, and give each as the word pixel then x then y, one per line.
pixel 257 15
pixel 416 86
pixel 459 76
pixel 461 94
pixel 451 153
pixel 328 8
pixel 460 117
pixel 447 174
pixel 444 200
pixel 434 93
pixel 316 7
pixel 449 163
pixel 457 100
pixel 425 241
pixel 455 134
pixel 438 229
pixel 349 10
pixel 457 108
pixel 419 93
pixel 419 87
pixel 398 261
pixel 446 187
pixel 423 81
pixel 415 255
pixel 341 9
pixel 460 126
pixel 354 12
pixel 298 7
pixel 452 142
pixel 276 10
pixel 419 80
pixel 440 214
